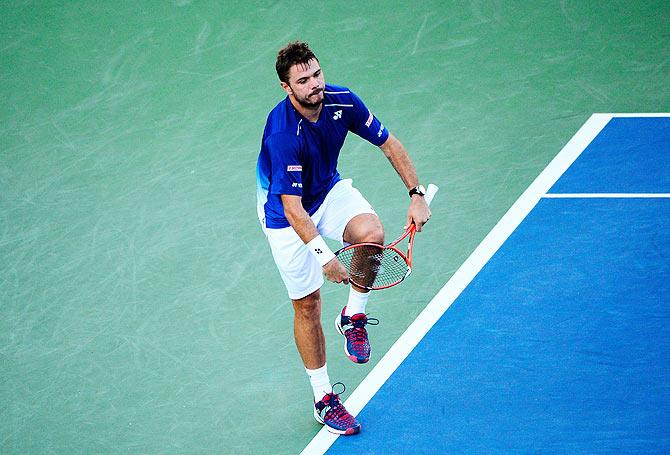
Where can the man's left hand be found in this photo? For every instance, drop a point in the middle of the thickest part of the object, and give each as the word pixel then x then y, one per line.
pixel 418 213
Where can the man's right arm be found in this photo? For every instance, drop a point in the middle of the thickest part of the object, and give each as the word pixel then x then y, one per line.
pixel 303 225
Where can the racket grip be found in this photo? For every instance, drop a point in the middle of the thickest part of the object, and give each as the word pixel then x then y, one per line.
pixel 430 193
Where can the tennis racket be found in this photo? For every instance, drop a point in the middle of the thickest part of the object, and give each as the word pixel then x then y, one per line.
pixel 372 266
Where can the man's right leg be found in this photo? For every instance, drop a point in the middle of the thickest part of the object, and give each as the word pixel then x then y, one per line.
pixel 311 343
pixel 308 332
pixel 303 278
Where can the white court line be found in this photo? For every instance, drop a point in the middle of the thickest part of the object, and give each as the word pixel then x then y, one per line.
pixel 465 274
pixel 656 114
pixel 605 195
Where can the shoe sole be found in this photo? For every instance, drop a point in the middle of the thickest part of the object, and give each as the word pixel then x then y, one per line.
pixel 353 358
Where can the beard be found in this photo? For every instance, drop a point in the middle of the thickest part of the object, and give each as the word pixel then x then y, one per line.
pixel 309 104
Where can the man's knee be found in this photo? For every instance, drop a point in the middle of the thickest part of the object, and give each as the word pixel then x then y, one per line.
pixel 308 307
pixel 364 228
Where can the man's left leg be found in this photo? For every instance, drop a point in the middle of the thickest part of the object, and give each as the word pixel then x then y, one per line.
pixel 346 216
pixel 351 323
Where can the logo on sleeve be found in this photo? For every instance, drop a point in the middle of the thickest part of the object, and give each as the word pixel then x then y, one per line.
pixel 381 130
pixel 294 169
pixel 368 122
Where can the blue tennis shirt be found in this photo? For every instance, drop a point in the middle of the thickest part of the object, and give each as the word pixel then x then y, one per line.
pixel 300 157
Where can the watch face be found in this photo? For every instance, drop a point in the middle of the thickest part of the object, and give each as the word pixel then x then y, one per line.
pixel 420 190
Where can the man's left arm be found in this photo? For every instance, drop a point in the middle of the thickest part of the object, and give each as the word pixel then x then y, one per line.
pixel 418 211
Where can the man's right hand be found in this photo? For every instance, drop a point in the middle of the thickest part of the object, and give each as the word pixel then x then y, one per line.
pixel 334 271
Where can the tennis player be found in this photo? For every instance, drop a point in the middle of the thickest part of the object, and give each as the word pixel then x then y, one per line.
pixel 302 197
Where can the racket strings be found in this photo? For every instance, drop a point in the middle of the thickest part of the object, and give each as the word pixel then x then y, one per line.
pixel 372 266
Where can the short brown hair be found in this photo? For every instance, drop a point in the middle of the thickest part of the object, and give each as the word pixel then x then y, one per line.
pixel 294 53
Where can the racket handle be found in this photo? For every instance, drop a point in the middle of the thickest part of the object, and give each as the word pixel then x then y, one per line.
pixel 430 193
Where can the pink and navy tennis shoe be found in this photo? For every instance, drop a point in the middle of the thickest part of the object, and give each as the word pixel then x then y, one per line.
pixel 356 344
pixel 331 413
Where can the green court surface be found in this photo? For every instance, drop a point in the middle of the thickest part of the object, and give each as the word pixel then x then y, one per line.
pixel 141 308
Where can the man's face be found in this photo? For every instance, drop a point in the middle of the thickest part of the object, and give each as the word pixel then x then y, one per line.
pixel 306 84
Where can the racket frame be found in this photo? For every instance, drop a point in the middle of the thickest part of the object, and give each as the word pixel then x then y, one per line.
pixel 407 257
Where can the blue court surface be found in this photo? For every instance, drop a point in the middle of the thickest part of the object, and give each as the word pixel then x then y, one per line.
pixel 561 340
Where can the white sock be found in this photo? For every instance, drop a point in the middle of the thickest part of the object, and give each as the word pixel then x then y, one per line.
pixel 320 382
pixel 357 302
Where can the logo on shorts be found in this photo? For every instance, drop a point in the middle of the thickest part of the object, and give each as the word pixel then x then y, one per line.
pixel 294 168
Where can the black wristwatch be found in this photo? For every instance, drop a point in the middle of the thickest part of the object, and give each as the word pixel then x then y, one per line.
pixel 420 190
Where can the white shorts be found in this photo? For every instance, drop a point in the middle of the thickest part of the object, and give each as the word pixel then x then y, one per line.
pixel 299 269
